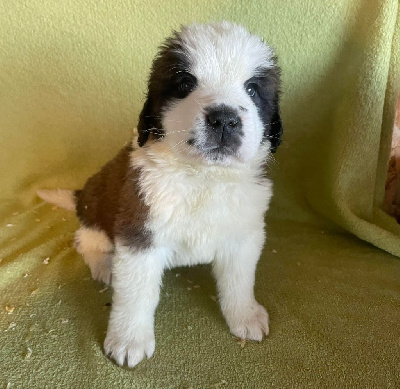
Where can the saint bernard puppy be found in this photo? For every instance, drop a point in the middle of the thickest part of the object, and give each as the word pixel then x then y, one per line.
pixel 190 189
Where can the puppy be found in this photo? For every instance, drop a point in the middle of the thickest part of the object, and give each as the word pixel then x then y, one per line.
pixel 190 190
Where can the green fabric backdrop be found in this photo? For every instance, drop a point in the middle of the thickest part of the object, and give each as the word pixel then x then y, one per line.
pixel 72 81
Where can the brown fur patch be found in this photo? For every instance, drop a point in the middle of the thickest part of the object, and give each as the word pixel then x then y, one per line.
pixel 110 201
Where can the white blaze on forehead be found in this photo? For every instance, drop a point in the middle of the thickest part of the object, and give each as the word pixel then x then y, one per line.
pixel 224 53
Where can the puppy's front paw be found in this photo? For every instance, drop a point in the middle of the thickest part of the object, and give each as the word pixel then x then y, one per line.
pixel 251 323
pixel 132 351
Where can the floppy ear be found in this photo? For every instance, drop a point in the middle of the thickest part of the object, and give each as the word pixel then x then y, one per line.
pixel 273 132
pixel 144 124
pixel 149 123
pixel 271 113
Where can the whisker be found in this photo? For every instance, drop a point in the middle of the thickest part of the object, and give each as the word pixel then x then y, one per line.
pixel 272 136
pixel 161 131
pixel 155 130
pixel 270 124
pixel 175 132
pixel 199 104
pixel 172 120
pixel 177 146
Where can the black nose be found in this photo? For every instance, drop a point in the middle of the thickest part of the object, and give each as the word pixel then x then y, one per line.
pixel 222 118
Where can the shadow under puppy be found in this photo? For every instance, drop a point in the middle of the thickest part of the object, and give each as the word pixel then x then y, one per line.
pixel 190 189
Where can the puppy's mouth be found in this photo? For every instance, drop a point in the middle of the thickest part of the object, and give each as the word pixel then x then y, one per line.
pixel 217 151
pixel 213 152
pixel 219 133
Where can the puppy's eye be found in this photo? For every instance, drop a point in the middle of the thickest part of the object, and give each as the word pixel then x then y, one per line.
pixel 186 85
pixel 251 89
pixel 183 83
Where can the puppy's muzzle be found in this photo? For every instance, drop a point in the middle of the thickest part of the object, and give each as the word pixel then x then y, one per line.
pixel 222 132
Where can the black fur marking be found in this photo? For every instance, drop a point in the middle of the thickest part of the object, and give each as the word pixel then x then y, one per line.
pixel 266 99
pixel 169 80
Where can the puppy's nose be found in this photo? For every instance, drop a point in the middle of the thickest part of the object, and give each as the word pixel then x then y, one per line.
pixel 222 118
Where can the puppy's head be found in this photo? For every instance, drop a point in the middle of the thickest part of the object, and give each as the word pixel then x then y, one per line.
pixel 213 95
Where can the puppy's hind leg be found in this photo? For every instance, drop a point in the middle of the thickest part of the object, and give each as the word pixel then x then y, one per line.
pixel 97 251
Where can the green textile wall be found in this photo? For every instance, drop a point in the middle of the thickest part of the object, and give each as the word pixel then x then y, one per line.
pixel 73 76
pixel 72 82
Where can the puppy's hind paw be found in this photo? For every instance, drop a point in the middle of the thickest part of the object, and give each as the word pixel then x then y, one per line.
pixel 102 273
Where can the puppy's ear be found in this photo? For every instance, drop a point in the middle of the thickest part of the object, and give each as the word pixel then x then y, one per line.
pixel 273 129
pixel 149 125
pixel 144 125
pixel 273 132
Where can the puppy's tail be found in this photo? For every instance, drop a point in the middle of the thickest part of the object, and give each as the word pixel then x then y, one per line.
pixel 63 198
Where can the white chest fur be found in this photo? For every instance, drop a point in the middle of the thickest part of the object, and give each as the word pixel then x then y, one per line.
pixel 196 209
